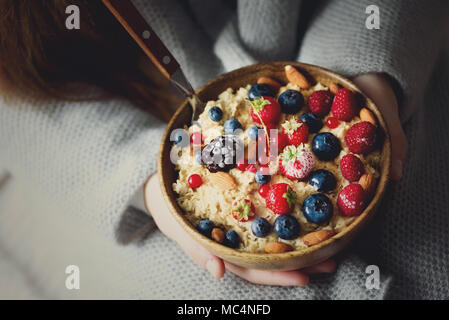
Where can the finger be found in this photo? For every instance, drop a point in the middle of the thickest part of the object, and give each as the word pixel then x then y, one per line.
pixel 274 278
pixel 327 266
pixel 203 257
pixel 399 148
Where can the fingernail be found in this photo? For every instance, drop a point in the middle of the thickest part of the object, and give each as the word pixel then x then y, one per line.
pixel 212 267
pixel 397 169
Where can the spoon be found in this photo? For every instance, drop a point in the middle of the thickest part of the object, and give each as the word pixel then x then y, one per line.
pixel 138 28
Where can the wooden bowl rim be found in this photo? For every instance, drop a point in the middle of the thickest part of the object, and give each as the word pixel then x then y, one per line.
pixel 352 229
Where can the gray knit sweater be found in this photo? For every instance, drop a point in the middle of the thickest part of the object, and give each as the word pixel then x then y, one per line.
pixel 75 166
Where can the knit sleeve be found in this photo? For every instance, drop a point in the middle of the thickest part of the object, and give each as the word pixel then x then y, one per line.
pixel 81 159
pixel 405 46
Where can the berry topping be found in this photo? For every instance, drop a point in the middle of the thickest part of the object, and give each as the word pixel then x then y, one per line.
pixel 270 126
pixel 351 167
pixel 291 101
pixel 296 162
pixel 332 123
pixel 286 227
pixel 205 227
pixel 351 200
pixel 265 110
pixel 242 164
pixel 253 132
pixel 221 153
pixel 281 198
pixel 197 138
pixel 317 208
pixel 323 180
pixel 243 210
pixel 251 168
pixel 195 181
pixel 326 146
pixel 232 125
pixel 297 131
pixel 263 190
pixel 215 114
pixel 260 227
pixel 278 142
pixel 344 106
pixel 320 103
pixel 312 121
pixel 260 90
pixel 361 138
pixel 232 239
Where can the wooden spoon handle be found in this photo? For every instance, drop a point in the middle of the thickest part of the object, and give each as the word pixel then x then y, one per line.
pixel 130 18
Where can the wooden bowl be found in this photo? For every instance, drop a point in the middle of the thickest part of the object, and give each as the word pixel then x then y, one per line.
pixel 282 261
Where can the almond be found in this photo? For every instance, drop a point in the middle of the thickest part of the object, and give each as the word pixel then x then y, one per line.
pixel 296 77
pixel 333 88
pixel 316 237
pixel 218 235
pixel 222 180
pixel 368 183
pixel 277 247
pixel 366 115
pixel 273 84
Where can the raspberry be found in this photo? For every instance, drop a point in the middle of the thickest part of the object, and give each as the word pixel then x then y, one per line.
pixel 351 167
pixel 344 106
pixel 320 103
pixel 351 200
pixel 361 138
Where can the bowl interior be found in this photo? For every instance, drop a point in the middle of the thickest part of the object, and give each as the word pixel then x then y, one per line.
pixel 283 261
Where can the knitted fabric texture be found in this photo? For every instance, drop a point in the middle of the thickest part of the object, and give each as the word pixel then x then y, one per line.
pixel 75 166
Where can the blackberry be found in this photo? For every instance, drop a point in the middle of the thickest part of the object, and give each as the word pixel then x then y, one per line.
pixel 222 152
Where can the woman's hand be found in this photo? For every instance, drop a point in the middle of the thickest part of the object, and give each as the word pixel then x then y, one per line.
pixel 378 87
pixel 216 266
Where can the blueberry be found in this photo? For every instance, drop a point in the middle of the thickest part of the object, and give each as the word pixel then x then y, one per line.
pixel 317 208
pixel 231 125
pixel 205 227
pixel 323 180
pixel 291 101
pixel 198 157
pixel 286 227
pixel 326 146
pixel 260 227
pixel 313 122
pixel 253 132
pixel 232 239
pixel 215 114
pixel 260 90
pixel 262 178
pixel 180 137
